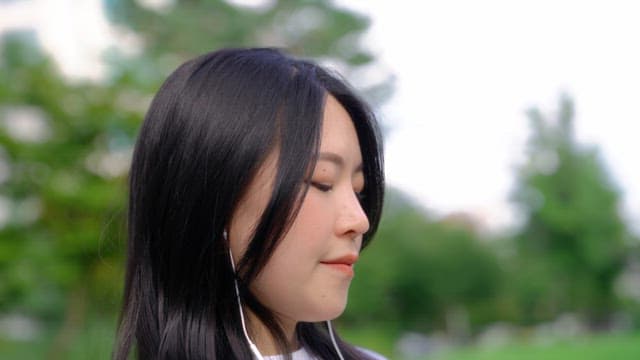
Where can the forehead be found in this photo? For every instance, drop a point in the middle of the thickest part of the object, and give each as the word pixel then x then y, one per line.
pixel 339 135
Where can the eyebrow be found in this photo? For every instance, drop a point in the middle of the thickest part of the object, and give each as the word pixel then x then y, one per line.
pixel 337 159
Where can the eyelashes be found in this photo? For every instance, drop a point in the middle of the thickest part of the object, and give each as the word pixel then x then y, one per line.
pixel 326 188
pixel 322 187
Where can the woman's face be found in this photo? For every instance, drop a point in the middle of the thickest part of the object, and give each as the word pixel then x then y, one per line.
pixel 307 278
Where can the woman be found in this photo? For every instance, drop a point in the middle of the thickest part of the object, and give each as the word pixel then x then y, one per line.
pixel 255 182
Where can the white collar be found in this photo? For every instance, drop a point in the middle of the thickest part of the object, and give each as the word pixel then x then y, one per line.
pixel 300 354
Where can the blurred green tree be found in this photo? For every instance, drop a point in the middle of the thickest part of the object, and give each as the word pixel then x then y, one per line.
pixel 64 149
pixel 572 245
pixel 177 30
pixel 424 274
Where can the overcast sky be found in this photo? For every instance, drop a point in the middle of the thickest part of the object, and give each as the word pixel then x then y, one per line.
pixel 466 71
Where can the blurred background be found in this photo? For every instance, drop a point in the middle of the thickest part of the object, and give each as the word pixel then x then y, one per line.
pixel 511 223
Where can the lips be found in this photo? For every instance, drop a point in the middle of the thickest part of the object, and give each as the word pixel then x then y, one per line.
pixel 348 259
pixel 343 263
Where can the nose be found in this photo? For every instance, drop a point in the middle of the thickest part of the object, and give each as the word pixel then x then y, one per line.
pixel 352 221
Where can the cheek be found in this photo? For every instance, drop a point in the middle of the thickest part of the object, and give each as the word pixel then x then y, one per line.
pixel 315 216
pixel 297 256
pixel 308 236
pixel 294 284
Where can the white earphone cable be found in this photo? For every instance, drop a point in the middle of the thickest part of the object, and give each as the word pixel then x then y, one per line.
pixel 333 340
pixel 252 346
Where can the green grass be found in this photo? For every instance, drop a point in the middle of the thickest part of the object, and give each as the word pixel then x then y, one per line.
pixel 603 347
pixel 94 342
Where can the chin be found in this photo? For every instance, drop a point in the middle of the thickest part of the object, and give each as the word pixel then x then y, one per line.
pixel 327 310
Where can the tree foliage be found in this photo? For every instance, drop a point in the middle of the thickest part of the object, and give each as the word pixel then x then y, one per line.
pixel 572 245
pixel 419 270
pixel 63 187
pixel 315 29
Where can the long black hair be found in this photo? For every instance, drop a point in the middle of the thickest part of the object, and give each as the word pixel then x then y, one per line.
pixel 205 135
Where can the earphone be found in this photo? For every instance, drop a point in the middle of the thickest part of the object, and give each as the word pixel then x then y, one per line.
pixel 252 346
pixel 333 340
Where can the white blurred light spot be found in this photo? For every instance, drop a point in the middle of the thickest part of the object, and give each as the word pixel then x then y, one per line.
pixel 161 6
pixel 19 327
pixel 110 164
pixel 28 210
pixel 305 19
pixel 28 124
pixel 261 5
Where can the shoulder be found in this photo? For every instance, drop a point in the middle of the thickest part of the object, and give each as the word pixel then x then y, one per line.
pixel 373 355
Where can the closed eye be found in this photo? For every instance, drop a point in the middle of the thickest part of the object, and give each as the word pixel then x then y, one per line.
pixel 322 187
